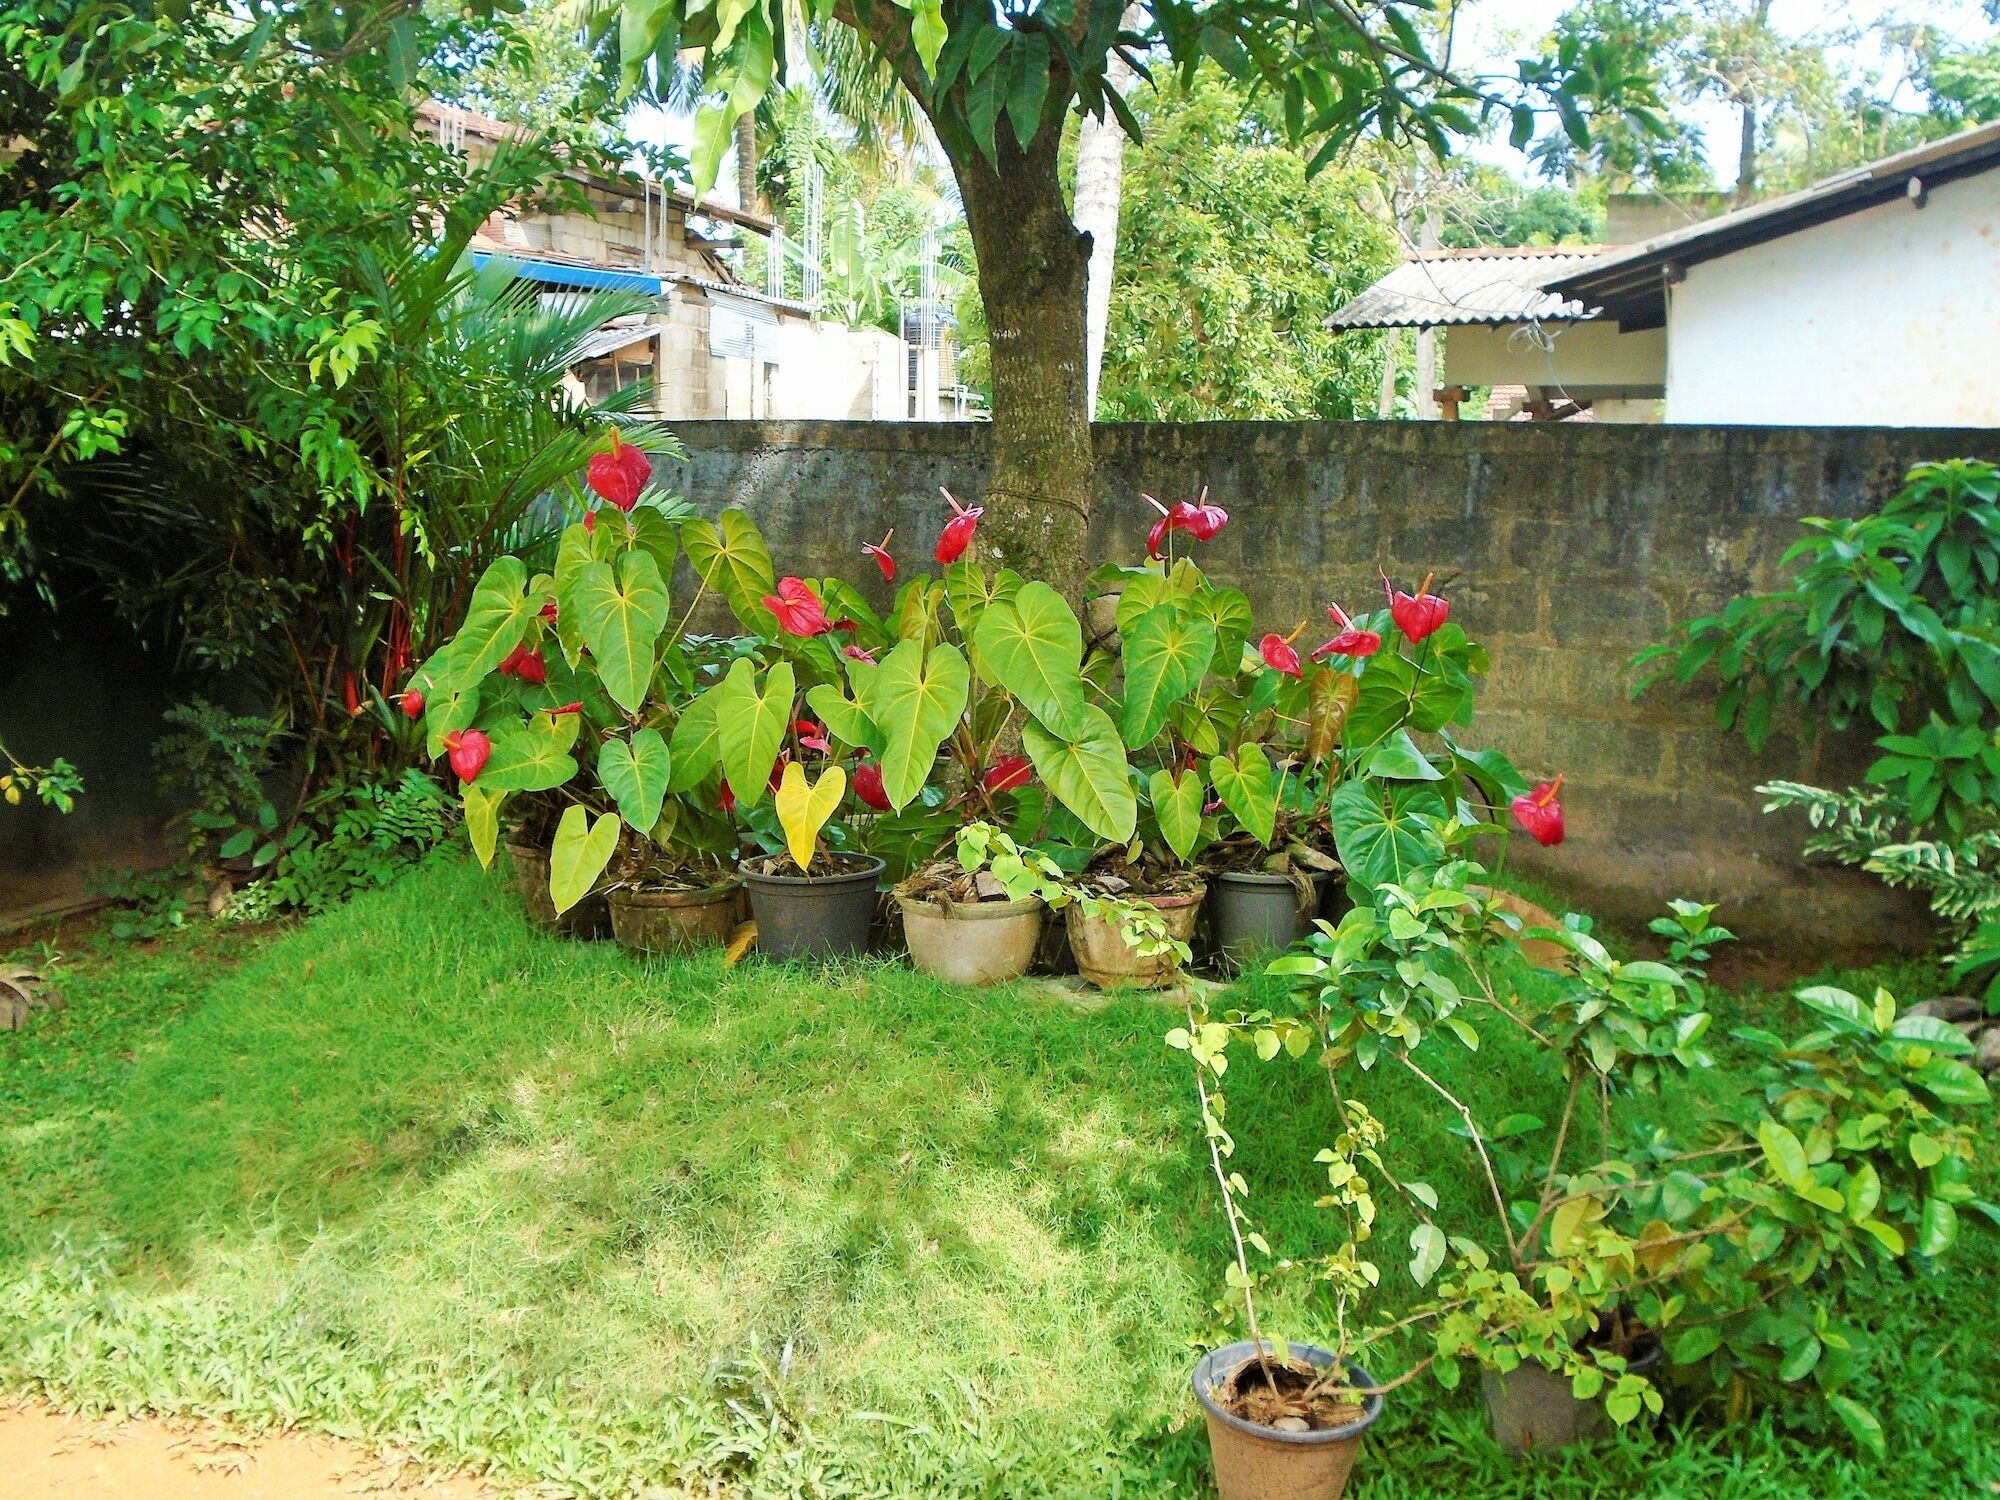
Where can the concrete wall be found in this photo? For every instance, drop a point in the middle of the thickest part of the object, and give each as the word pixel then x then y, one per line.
pixel 1564 547
pixel 1885 317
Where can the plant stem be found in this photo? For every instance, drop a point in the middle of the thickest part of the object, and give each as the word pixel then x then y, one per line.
pixel 1479 1145
pixel 1208 1120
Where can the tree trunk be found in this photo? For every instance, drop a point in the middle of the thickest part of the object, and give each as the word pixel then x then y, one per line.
pixel 1746 155
pixel 1032 269
pixel 746 161
pixel 1100 183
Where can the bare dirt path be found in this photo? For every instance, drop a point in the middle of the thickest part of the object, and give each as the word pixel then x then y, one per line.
pixel 45 1455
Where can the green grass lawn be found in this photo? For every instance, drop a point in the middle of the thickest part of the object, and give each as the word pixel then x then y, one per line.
pixel 414 1172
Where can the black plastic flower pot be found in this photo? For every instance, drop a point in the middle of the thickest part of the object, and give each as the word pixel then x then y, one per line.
pixel 1250 912
pixel 1532 1408
pixel 1255 1462
pixel 813 916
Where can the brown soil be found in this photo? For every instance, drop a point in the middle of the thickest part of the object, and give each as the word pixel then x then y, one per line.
pixel 1239 853
pixel 1620 1332
pixel 1274 1395
pixel 657 875
pixel 1116 876
pixel 945 880
pixel 823 864
pixel 48 1456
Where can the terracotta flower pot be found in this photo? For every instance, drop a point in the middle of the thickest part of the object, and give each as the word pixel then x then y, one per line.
pixel 814 916
pixel 663 921
pixel 1255 1462
pixel 974 942
pixel 589 918
pixel 1109 962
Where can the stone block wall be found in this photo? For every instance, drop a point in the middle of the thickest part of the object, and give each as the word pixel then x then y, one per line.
pixel 1565 548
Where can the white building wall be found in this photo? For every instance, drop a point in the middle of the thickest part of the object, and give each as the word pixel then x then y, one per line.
pixel 1584 357
pixel 1888 317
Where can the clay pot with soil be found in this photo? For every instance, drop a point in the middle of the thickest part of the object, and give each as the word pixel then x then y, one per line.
pixel 822 914
pixel 682 910
pixel 964 928
pixel 1532 1408
pixel 589 918
pixel 1283 1429
pixel 1103 953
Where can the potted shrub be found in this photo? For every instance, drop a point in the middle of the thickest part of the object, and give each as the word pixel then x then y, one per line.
pixel 977 917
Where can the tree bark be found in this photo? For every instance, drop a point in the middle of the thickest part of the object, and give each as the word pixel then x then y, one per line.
pixel 1100 183
pixel 1033 267
pixel 746 161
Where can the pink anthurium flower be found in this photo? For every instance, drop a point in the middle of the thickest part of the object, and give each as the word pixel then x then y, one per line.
pixel 1279 656
pixel 957 534
pixel 1350 641
pixel 798 608
pixel 468 751
pixel 812 737
pixel 1202 520
pixel 880 552
pixel 1006 773
pixel 1416 615
pixel 868 785
pixel 1541 814
pixel 619 473
pixel 855 653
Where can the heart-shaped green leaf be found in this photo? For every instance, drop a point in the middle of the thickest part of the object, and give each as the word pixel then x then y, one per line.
pixel 1398 759
pixel 582 850
pixel 1087 773
pixel 580 547
pixel 1248 787
pixel 729 556
pixel 696 746
pixel 1148 588
pixel 499 615
pixel 1167 652
pixel 623 612
pixel 482 820
pixel 750 726
pixel 531 757
pixel 1386 832
pixel 846 720
pixel 915 698
pixel 636 775
pixel 1177 809
pixel 446 711
pixel 654 535
pixel 1033 646
pixel 1228 614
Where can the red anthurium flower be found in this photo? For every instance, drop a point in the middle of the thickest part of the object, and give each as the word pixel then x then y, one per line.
pixel 855 653
pixel 532 667
pixel 1202 521
pixel 619 473
pixel 727 799
pixel 468 751
pixel 868 785
pixel 1350 641
pixel 1159 534
pixel 1416 615
pixel 566 708
pixel 513 659
pixel 413 704
pixel 1541 814
pixel 549 611
pixel 1211 807
pixel 847 625
pixel 880 552
pixel 590 520
pixel 812 737
pixel 958 530
pixel 798 608
pixel 778 770
pixel 1279 656
pixel 1008 772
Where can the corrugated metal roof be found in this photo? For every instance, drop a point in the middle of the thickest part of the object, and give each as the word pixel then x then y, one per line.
pixel 1631 284
pixel 609 340
pixel 1496 286
pixel 737 289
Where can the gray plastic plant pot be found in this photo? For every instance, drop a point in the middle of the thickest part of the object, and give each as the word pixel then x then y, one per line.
pixel 663 921
pixel 974 942
pixel 813 916
pixel 1251 912
pixel 1532 1408
pixel 589 918
pixel 1254 1462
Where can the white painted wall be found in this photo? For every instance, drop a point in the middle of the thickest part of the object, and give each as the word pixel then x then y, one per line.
pixel 1582 358
pixel 1889 317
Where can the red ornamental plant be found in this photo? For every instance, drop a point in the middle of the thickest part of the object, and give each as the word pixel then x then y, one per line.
pixel 1417 615
pixel 1007 773
pixel 1200 520
pixel 468 751
pixel 1540 813
pixel 868 785
pixel 619 473
pixel 1279 656
pixel 1350 642
pixel 413 704
pixel 798 608
pixel 957 535
pixel 879 551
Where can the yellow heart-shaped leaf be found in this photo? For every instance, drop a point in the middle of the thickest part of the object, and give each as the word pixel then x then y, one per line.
pixel 803 810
